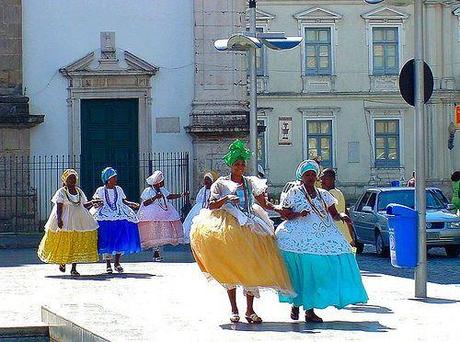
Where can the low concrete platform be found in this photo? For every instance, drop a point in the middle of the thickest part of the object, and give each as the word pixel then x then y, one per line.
pixel 173 301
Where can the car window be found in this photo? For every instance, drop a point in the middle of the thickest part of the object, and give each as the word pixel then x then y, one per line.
pixel 439 194
pixel 363 201
pixel 407 198
pixel 371 201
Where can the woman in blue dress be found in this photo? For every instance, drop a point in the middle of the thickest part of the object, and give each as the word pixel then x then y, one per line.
pixel 320 262
pixel 118 233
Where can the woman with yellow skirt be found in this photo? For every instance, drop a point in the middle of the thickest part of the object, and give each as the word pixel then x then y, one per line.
pixel 233 241
pixel 71 231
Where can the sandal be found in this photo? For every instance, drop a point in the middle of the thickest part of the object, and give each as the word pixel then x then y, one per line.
pixel 74 273
pixel 253 319
pixel 295 313
pixel 234 318
pixel 119 269
pixel 109 270
pixel 62 268
pixel 310 316
pixel 158 259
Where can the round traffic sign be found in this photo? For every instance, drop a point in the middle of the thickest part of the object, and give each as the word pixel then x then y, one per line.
pixel 407 82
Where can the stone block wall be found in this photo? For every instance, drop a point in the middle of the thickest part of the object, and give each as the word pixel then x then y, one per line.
pixel 10 47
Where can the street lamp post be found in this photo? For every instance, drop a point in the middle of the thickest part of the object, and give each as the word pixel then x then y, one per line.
pixel 251 41
pixel 253 88
pixel 420 184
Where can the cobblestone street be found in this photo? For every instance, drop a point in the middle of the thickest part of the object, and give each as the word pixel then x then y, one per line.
pixel 173 299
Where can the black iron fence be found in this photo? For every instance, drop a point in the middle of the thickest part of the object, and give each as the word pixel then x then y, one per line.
pixel 27 184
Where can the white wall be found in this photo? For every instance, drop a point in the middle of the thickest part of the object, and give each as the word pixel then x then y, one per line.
pixel 56 33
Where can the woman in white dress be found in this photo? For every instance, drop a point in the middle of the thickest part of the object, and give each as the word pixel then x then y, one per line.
pixel 118 232
pixel 320 262
pixel 71 232
pixel 159 221
pixel 202 201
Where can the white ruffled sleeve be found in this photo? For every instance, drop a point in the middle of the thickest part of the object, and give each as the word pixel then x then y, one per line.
pixel 216 190
pixel 84 199
pixel 288 201
pixel 97 194
pixel 59 196
pixel 259 186
pixel 146 194
pixel 328 198
pixel 121 192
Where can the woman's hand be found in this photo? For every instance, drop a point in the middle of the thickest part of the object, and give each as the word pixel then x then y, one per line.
pixel 304 213
pixel 185 193
pixel 97 203
pixel 233 199
pixel 345 218
pixel 60 222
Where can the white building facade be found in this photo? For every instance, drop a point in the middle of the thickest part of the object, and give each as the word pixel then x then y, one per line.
pixel 337 95
pixel 77 51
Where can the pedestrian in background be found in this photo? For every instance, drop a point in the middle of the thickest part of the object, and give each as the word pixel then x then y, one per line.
pixel 455 178
pixel 321 265
pixel 411 182
pixel 70 232
pixel 201 202
pixel 328 178
pixel 159 221
pixel 118 232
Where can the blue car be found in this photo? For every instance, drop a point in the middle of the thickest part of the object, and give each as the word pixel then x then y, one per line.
pixel 371 225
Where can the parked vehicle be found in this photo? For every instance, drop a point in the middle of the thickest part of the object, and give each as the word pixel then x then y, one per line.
pixel 371 225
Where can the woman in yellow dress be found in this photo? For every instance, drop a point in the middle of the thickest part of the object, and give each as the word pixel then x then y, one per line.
pixel 71 231
pixel 233 241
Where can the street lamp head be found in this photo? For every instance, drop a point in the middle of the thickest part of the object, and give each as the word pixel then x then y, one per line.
pixel 282 44
pixel 238 42
pixel 390 2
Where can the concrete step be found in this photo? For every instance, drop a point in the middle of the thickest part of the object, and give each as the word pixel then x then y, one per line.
pixel 25 334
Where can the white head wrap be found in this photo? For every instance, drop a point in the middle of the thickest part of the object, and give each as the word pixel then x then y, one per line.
pixel 210 176
pixel 155 178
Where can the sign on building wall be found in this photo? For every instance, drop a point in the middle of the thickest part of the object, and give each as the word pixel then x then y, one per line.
pixel 457 116
pixel 285 131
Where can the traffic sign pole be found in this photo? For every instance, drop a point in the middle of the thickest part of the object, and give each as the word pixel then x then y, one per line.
pixel 252 90
pixel 420 199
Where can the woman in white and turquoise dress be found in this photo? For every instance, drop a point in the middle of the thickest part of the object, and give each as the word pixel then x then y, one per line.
pixel 322 268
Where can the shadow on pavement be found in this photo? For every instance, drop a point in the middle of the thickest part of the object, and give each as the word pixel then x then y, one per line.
pixel 441 269
pixel 28 256
pixel 306 328
pixel 435 300
pixel 369 309
pixel 102 277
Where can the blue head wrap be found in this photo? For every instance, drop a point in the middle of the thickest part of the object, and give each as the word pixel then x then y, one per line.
pixel 306 165
pixel 108 173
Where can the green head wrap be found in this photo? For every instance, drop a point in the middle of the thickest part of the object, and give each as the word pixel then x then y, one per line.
pixel 237 151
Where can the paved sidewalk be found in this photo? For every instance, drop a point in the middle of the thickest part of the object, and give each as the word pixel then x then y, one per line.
pixel 172 300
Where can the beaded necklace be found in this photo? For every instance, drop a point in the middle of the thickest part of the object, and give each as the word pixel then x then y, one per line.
pixel 112 206
pixel 247 199
pixel 69 198
pixel 165 207
pixel 205 203
pixel 321 214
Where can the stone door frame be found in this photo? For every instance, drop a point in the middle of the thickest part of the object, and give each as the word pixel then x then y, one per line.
pixel 110 79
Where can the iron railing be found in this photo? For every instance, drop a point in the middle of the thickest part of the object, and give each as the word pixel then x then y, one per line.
pixel 27 183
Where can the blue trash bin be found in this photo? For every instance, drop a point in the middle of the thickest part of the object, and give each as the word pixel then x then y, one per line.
pixel 395 183
pixel 402 224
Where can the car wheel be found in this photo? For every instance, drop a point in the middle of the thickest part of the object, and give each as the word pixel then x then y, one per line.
pixel 380 247
pixel 452 251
